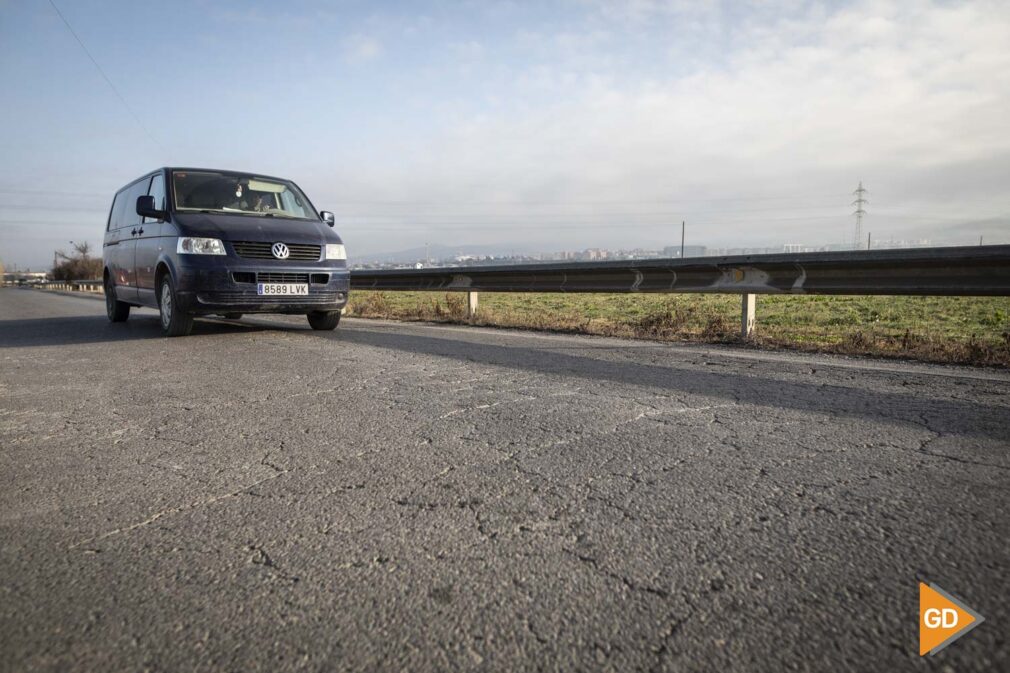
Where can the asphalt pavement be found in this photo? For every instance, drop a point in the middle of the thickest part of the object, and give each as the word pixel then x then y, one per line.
pixel 262 497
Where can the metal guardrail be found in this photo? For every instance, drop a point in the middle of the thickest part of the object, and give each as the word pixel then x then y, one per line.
pixel 963 271
pixel 953 271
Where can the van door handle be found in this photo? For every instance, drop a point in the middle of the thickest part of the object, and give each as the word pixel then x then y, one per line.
pixel 140 231
pixel 133 233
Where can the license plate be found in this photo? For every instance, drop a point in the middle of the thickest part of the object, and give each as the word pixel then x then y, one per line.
pixel 282 289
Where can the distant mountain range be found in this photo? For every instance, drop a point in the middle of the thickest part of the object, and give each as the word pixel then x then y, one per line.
pixel 436 251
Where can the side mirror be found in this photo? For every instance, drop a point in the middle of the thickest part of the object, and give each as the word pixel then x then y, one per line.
pixel 328 217
pixel 145 208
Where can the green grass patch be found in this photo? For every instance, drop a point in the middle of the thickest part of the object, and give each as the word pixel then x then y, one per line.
pixel 968 330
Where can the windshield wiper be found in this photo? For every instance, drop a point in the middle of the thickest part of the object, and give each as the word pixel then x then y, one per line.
pixel 228 211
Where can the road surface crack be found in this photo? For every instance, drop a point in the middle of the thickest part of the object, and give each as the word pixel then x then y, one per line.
pixel 668 635
pixel 178 510
pixel 261 557
pixel 922 448
pixel 628 583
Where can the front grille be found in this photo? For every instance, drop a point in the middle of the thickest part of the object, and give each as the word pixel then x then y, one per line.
pixel 299 252
pixel 279 277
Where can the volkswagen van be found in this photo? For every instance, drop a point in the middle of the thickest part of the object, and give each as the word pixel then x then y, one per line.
pixel 194 241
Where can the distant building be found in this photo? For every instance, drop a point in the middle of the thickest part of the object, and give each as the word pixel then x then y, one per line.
pixel 673 251
pixel 891 243
pixel 15 277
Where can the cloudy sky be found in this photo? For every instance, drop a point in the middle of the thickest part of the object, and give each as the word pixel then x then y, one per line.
pixel 526 125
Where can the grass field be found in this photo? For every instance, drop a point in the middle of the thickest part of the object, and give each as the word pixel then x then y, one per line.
pixel 969 330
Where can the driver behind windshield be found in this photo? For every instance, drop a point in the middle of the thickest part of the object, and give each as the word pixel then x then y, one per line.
pixel 265 202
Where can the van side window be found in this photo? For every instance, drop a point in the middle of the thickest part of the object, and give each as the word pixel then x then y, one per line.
pixel 157 190
pixel 113 215
pixel 118 205
pixel 132 193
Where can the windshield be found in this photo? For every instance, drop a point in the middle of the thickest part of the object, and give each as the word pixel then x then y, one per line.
pixel 211 192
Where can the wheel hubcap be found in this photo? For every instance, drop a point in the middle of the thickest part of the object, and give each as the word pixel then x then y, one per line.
pixel 166 305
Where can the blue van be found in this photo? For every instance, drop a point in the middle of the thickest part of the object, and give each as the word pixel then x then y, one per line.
pixel 194 241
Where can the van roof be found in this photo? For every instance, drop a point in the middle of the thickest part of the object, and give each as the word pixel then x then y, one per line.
pixel 219 170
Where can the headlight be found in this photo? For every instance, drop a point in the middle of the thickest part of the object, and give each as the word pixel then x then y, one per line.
pixel 335 251
pixel 200 246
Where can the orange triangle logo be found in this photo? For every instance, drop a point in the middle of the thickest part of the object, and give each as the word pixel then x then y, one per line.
pixel 942 619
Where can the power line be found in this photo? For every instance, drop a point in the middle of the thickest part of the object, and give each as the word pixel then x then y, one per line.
pixel 523 202
pixel 108 81
pixel 505 211
pixel 50 206
pixel 418 226
pixel 31 192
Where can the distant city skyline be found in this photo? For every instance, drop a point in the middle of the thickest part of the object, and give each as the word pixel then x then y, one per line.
pixel 465 255
pixel 546 126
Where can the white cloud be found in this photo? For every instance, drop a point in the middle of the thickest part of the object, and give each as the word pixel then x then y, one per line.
pixel 903 95
pixel 361 48
pixel 587 122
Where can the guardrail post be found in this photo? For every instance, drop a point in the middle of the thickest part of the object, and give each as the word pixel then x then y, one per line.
pixel 747 316
pixel 471 304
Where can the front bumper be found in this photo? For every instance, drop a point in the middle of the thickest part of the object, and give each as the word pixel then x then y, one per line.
pixel 205 286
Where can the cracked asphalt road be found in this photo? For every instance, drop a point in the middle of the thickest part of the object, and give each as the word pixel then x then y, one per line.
pixel 390 496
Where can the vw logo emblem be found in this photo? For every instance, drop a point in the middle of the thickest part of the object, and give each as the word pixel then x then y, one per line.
pixel 280 251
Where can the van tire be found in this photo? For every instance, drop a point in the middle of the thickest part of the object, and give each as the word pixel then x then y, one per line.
pixel 174 322
pixel 324 320
pixel 117 311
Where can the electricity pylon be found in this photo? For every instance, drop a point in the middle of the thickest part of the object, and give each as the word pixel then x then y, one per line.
pixel 857 239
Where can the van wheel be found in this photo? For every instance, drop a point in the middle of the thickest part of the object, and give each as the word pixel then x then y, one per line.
pixel 116 310
pixel 174 322
pixel 324 320
pixel 232 316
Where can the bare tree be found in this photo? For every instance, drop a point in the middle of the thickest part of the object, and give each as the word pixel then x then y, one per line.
pixel 78 265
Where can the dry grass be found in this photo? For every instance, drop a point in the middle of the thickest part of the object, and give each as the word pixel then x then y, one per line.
pixel 965 330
